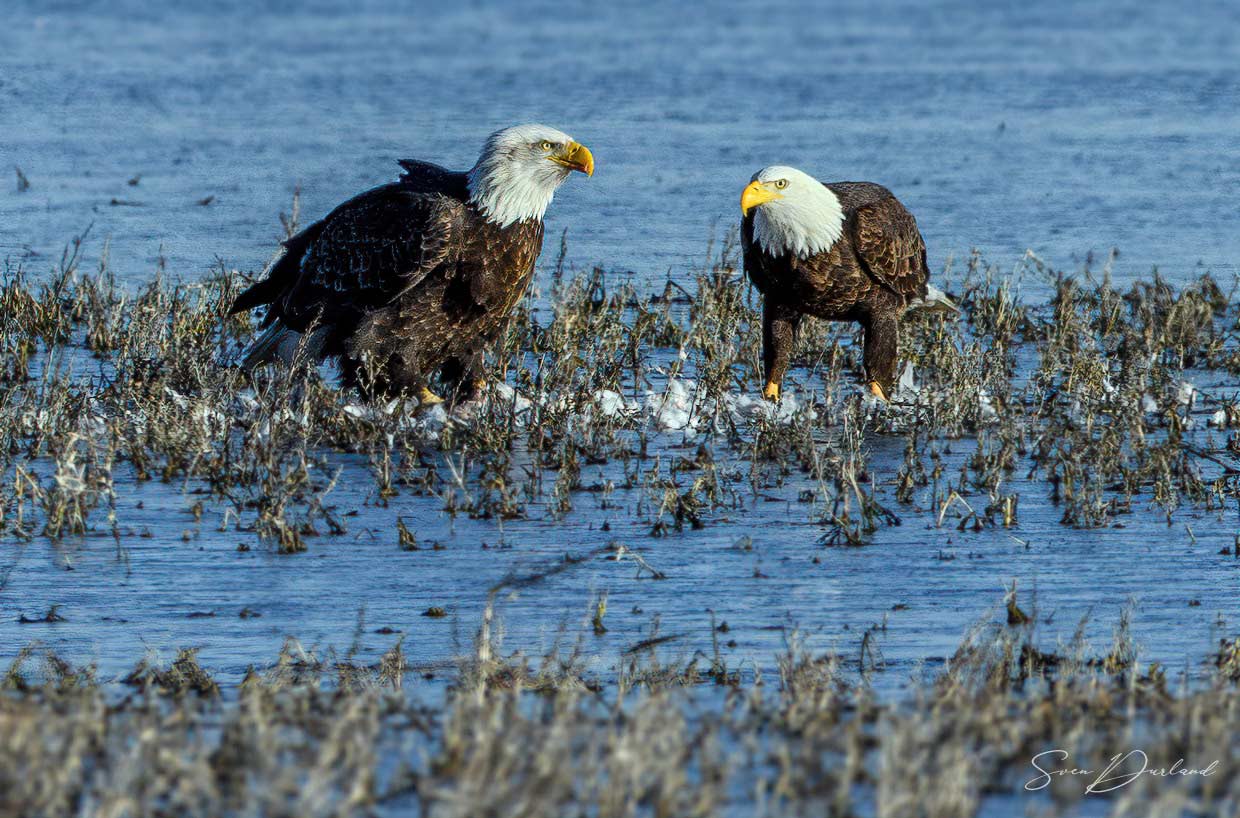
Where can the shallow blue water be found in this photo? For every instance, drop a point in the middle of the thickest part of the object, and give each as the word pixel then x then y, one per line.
pixel 1066 128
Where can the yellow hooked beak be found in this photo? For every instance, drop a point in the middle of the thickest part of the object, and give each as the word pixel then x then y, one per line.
pixel 575 156
pixel 756 194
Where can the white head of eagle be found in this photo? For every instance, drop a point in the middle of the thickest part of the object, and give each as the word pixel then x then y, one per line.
pixel 795 213
pixel 519 170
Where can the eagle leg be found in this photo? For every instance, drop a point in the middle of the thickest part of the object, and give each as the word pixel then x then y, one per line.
pixel 882 341
pixel 779 326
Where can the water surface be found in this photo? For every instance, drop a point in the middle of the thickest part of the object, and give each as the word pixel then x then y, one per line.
pixel 1066 128
pixel 178 133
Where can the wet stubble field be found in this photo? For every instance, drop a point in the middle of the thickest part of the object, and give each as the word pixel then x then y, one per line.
pixel 618 583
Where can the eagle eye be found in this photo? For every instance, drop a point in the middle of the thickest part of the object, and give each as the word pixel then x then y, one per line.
pixel 781 184
pixel 546 145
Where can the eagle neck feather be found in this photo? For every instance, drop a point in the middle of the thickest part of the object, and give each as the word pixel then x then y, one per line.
pixel 803 225
pixel 511 191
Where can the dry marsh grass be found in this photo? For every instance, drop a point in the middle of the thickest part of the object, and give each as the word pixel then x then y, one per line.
pixel 321 735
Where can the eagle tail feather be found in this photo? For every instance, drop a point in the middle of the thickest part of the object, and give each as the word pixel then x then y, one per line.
pixel 277 342
pixel 280 343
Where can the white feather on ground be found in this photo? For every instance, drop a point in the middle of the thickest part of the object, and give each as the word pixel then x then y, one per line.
pixel 935 300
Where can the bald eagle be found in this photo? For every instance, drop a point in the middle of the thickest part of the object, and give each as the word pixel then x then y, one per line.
pixel 844 251
pixel 417 277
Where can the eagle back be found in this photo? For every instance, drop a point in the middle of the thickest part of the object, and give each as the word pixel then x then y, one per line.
pixel 427 177
pixel 370 250
pixel 885 238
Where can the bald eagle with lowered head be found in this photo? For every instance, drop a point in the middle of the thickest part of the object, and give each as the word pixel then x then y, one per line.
pixel 419 276
pixel 843 251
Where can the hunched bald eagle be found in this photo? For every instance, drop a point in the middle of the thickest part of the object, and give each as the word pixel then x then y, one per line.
pixel 844 251
pixel 419 275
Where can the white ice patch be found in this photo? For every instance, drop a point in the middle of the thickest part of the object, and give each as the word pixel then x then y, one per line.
pixel 908 400
pixel 987 413
pixel 426 426
pixel 679 408
pixel 907 389
pixel 209 418
pixel 611 404
pixel 752 407
pixel 1186 395
pixel 509 396
pixel 429 425
pixel 673 409
pixel 371 412
pixel 1226 418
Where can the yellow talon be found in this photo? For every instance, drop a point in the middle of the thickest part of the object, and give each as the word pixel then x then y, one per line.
pixel 771 392
pixel 428 398
pixel 877 391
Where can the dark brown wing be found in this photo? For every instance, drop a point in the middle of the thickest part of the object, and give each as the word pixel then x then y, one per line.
pixel 886 238
pixel 328 238
pixel 279 275
pixel 427 177
pixel 371 250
